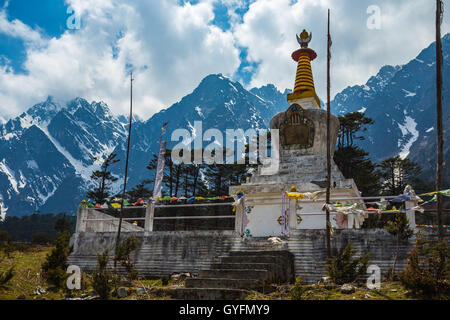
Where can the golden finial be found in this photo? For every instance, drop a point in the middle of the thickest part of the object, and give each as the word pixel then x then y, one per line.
pixel 304 39
pixel 293 189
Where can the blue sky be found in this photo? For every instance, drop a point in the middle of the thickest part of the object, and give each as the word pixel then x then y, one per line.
pixel 50 17
pixel 173 44
pixel 47 15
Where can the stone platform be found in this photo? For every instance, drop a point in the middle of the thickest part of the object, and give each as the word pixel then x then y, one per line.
pixel 161 254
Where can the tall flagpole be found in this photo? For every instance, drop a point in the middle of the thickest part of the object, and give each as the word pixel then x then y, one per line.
pixel 328 140
pixel 126 173
pixel 440 138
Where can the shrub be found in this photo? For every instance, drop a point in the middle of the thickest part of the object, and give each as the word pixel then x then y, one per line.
pixel 5 242
pixel 102 279
pixel 428 271
pixel 55 266
pixel 42 238
pixel 6 276
pixel 63 224
pixel 399 228
pixel 123 255
pixel 4 236
pixel 345 268
pixel 298 290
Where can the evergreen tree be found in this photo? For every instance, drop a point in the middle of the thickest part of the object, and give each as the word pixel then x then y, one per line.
pixel 55 265
pixel 353 161
pixel 62 224
pixel 104 178
pixel 349 125
pixel 139 191
pixel 401 230
pixel 397 173
pixel 123 255
pixel 346 267
pixel 102 280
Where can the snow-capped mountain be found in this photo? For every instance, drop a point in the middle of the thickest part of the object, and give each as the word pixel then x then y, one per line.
pixel 218 103
pixel 402 102
pixel 47 153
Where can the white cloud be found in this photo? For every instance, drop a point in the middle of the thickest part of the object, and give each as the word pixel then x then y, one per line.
pixel 172 47
pixel 17 29
pixel 270 26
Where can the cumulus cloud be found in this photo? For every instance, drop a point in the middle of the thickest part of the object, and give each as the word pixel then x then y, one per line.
pixel 17 29
pixel 171 46
pixel 269 27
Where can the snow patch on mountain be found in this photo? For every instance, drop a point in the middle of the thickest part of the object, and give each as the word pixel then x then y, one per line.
pixel 199 111
pixel 362 110
pixel 407 129
pixel 409 94
pixel 10 174
pixel 3 209
pixel 80 169
pixel 32 164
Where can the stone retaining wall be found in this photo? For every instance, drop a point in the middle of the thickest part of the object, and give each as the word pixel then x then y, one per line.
pixel 163 253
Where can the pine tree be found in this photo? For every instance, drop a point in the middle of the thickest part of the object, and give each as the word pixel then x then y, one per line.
pixel 139 191
pixel 55 266
pixel 123 255
pixel 353 161
pixel 62 224
pixel 401 230
pixel 104 178
pixel 103 280
pixel 397 173
pixel 346 268
pixel 349 125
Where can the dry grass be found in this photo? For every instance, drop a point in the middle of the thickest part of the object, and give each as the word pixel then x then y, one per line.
pixel 27 274
pixel 388 291
pixel 27 277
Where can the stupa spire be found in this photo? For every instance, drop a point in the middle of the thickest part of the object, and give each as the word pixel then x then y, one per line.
pixel 304 81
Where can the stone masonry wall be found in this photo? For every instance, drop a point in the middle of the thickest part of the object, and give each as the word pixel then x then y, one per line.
pixel 162 253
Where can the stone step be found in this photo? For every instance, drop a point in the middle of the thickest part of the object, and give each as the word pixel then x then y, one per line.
pixel 284 262
pixel 274 272
pixel 235 274
pixel 248 266
pixel 251 259
pixel 209 294
pixel 277 253
pixel 216 283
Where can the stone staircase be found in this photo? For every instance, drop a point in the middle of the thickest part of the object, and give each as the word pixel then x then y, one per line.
pixel 237 274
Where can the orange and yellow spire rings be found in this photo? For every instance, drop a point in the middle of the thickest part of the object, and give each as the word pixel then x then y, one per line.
pixel 304 78
pixel 304 81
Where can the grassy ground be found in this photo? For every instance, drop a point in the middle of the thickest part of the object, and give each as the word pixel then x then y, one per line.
pixel 27 277
pixel 27 274
pixel 388 291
